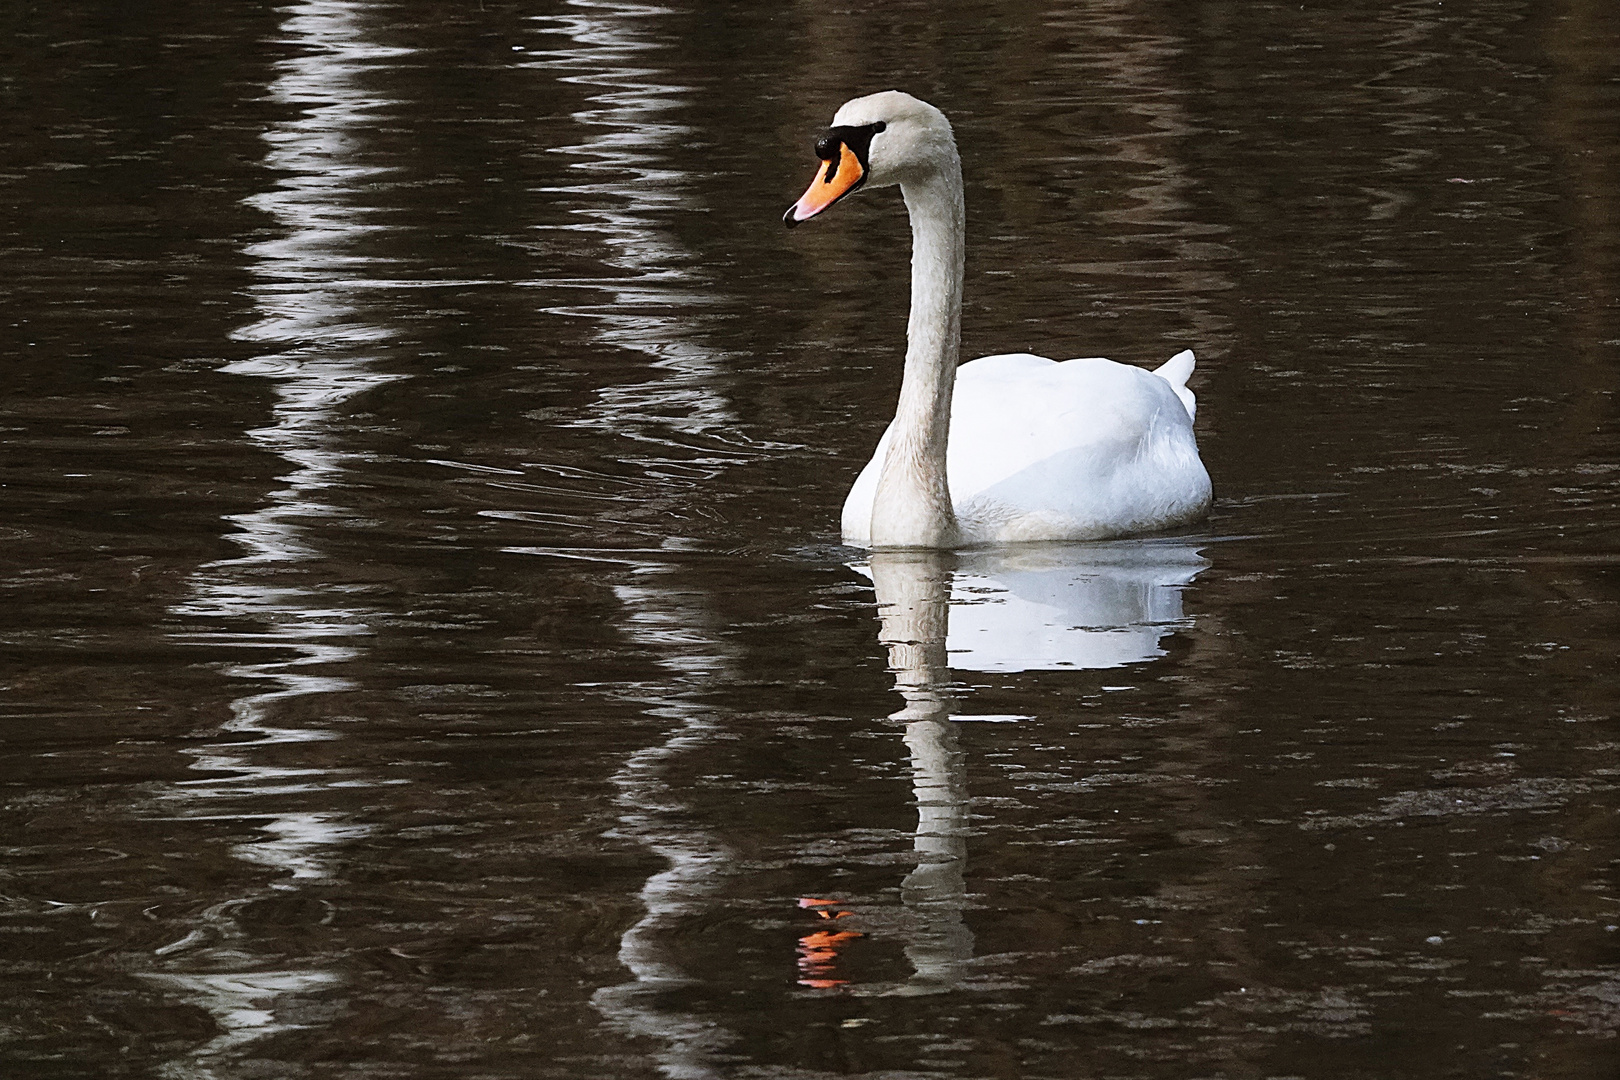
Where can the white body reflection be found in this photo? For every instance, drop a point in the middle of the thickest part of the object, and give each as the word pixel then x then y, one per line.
pixel 1084 606
pixel 1050 607
pixel 309 281
pixel 1062 607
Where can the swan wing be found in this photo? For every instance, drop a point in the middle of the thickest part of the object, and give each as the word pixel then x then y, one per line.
pixel 1077 449
pixel 1011 412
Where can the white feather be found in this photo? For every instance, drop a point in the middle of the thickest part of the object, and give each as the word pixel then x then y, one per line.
pixel 1078 450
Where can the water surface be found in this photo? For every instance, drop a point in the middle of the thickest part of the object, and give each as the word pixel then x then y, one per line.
pixel 427 649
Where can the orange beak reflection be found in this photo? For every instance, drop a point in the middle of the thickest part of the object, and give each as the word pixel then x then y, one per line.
pixel 818 950
pixel 833 180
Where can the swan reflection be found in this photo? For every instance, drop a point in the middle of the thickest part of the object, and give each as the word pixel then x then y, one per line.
pixel 1085 607
pixel 1048 608
pixel 1091 606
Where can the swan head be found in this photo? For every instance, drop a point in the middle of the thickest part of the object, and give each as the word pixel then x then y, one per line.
pixel 878 140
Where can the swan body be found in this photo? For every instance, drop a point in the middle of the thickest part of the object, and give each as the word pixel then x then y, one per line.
pixel 1005 448
pixel 1072 450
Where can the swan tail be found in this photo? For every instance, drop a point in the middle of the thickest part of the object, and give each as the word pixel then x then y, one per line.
pixel 1175 371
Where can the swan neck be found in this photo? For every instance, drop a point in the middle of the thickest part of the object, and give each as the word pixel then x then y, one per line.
pixel 913 504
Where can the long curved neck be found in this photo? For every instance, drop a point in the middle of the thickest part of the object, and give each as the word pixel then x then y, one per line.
pixel 913 503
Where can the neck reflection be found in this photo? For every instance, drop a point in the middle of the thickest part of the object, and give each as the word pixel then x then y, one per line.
pixel 913 598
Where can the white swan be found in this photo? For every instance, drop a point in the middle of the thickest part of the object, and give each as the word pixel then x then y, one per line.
pixel 1025 448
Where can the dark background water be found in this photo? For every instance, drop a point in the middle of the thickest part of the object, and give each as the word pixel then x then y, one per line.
pixel 426 645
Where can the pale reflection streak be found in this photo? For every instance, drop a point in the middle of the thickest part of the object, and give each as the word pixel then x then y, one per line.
pixel 1085 607
pixel 675 625
pixel 914 610
pixel 306 295
pixel 629 184
pixel 649 298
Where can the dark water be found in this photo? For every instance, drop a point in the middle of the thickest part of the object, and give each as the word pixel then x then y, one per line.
pixel 426 645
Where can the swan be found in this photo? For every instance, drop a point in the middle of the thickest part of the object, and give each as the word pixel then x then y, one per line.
pixel 1005 448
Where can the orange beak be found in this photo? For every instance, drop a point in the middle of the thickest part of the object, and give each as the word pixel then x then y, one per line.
pixel 833 180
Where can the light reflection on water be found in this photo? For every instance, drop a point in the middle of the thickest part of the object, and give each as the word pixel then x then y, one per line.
pixel 314 316
pixel 1084 607
pixel 651 306
pixel 651 295
pixel 1080 607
